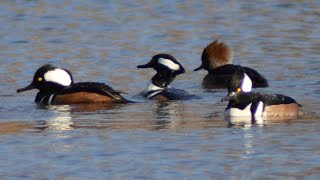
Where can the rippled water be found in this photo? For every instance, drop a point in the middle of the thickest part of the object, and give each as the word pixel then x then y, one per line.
pixel 105 40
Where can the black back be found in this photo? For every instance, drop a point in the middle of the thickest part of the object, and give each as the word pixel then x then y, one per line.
pixel 243 99
pixel 92 87
pixel 226 72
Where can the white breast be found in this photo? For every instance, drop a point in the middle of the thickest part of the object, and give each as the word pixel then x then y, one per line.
pixel 154 88
pixel 238 112
pixel 246 111
pixel 259 110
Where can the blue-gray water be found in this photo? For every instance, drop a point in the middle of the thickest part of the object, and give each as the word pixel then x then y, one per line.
pixel 104 41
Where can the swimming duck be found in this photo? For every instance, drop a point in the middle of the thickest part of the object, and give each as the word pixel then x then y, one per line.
pixel 217 60
pixel 244 102
pixel 167 68
pixel 56 87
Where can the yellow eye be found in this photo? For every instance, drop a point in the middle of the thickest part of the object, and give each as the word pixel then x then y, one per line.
pixel 239 90
pixel 39 78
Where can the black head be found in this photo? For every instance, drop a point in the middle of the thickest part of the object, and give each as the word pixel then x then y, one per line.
pixel 164 63
pixel 49 78
pixel 205 64
pixel 240 83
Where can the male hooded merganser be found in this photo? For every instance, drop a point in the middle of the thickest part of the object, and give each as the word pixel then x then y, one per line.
pixel 167 68
pixel 217 60
pixel 56 87
pixel 243 102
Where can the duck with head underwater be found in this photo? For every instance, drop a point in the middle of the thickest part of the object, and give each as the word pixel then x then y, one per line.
pixel 167 68
pixel 56 87
pixel 245 103
pixel 217 60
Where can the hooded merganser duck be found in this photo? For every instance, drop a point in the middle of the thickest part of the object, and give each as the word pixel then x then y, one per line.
pixel 167 68
pixel 56 87
pixel 243 102
pixel 217 60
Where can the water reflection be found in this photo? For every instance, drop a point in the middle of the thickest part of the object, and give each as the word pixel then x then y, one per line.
pixel 67 117
pixel 248 144
pixel 104 40
pixel 167 110
pixel 248 122
pixel 15 127
pixel 95 107
pixel 166 114
pixel 62 120
pixel 244 121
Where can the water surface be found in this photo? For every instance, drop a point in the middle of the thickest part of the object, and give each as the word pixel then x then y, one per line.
pixel 104 41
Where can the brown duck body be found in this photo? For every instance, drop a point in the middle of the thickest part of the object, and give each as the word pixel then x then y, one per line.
pixel 56 86
pixel 245 103
pixel 81 93
pixel 266 105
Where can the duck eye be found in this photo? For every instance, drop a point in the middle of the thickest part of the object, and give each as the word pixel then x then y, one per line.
pixel 238 90
pixel 39 79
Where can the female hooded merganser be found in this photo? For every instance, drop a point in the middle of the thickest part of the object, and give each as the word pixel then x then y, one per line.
pixel 167 68
pixel 56 87
pixel 243 102
pixel 217 60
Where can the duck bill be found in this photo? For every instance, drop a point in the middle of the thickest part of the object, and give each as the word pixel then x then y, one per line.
pixel 229 97
pixel 27 88
pixel 198 68
pixel 148 65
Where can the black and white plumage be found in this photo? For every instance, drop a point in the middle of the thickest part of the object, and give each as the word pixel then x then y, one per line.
pixel 221 76
pixel 164 63
pixel 167 68
pixel 244 102
pixel 56 86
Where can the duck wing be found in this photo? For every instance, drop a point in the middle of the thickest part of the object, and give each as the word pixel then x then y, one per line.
pixel 92 87
pixel 276 99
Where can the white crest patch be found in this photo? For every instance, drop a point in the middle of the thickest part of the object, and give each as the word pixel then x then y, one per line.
pixel 259 110
pixel 238 112
pixel 167 62
pixel 246 84
pixel 59 76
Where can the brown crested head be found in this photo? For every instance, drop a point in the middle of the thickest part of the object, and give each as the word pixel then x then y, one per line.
pixel 215 54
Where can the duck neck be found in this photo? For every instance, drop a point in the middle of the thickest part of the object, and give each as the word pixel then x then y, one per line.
pixel 159 83
pixel 162 79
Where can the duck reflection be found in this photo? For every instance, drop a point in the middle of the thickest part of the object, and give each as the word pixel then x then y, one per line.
pixel 95 107
pixel 243 121
pixel 168 114
pixel 16 127
pixel 247 122
pixel 248 138
pixel 62 120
